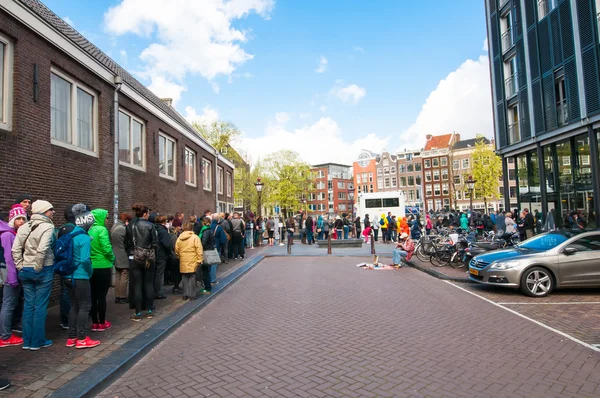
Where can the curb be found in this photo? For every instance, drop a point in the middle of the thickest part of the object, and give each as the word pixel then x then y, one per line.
pixel 99 376
pixel 438 274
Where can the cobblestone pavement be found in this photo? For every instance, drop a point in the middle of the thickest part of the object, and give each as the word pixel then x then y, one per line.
pixel 37 374
pixel 573 311
pixel 314 327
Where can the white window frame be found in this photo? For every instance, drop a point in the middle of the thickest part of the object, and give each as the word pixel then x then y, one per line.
pixel 187 155
pixel 168 139
pixel 7 80
pixel 220 179
pixel 229 183
pixel 140 121
pixel 73 119
pixel 465 161
pixel 456 164
pixel 206 173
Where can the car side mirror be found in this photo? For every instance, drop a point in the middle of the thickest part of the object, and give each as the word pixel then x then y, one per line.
pixel 570 250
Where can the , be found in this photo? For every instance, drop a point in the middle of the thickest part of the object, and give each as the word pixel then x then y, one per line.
pixel 543 263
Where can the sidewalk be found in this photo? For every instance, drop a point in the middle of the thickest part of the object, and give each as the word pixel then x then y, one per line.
pixel 39 373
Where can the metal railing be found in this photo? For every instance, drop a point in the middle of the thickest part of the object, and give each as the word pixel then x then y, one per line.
pixel 562 113
pixel 511 85
pixel 514 135
pixel 507 39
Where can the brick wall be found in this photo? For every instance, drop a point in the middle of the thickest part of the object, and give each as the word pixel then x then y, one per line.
pixel 30 163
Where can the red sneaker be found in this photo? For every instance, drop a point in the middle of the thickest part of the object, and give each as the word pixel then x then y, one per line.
pixel 86 343
pixel 101 327
pixel 11 341
pixel 95 327
pixel 71 342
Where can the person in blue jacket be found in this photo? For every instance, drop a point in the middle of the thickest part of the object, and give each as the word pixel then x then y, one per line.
pixel 220 240
pixel 78 284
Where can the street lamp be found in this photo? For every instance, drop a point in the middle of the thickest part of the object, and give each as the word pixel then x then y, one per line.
pixel 351 197
pixel 259 186
pixel 470 186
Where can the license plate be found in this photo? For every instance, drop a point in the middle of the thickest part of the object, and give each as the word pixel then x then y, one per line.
pixel 474 271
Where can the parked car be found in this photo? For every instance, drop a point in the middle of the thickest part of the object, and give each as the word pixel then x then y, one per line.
pixel 558 259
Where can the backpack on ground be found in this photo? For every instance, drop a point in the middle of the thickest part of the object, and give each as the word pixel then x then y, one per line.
pixel 63 254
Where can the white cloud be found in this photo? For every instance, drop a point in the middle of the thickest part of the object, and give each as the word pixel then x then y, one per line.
pixel 461 102
pixel 215 87
pixel 69 21
pixel 485 47
pixel 322 65
pixel 166 89
pixel 359 50
pixel 282 118
pixel 123 55
pixel 208 116
pixel 304 115
pixel 194 37
pixel 323 108
pixel 331 146
pixel 350 94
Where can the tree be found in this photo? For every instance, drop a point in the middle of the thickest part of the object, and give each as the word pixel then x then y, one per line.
pixel 220 134
pixel 486 170
pixel 288 180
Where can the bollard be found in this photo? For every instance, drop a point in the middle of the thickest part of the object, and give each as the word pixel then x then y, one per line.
pixel 372 245
pixel 329 243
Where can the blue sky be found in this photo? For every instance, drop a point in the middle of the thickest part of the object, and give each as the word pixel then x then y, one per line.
pixel 384 61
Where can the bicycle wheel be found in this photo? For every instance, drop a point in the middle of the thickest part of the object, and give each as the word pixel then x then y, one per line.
pixel 441 258
pixel 422 253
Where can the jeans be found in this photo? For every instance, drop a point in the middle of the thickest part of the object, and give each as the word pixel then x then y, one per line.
pixel 206 277
pixel 37 287
pixel 394 235
pixel 248 238
pixel 310 237
pixel 141 285
pixel 65 306
pixel 237 246
pixel 384 234
pixel 79 291
pixel 338 232
pixel 10 303
pixel 159 277
pixel 213 273
pixel 121 282
pixel 376 234
pixel 320 235
pixel 100 283
pixel 346 229
pixel 175 272
pixel 398 256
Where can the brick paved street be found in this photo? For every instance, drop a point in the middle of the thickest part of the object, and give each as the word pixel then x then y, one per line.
pixel 37 374
pixel 323 327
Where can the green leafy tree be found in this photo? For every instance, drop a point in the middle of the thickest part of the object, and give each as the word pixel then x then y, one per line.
pixel 220 134
pixel 486 170
pixel 288 180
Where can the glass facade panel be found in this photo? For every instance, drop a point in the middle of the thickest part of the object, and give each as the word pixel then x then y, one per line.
pixel 583 202
pixel 523 181
pixel 565 178
pixel 535 192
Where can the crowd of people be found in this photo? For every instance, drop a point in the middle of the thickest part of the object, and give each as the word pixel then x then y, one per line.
pixel 145 249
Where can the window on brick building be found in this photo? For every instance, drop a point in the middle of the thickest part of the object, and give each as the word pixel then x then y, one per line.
pixel 428 190
pixel 436 175
pixel 341 185
pixel 436 162
pixel 6 82
pixel 131 140
pixel 341 195
pixel 411 181
pixel 402 181
pixel 394 182
pixel 166 156
pixel 428 176
pixel 409 168
pixel 190 168
pixel 457 178
pixel 444 161
pixel 455 164
pixel 418 180
pixel 229 183
pixel 444 174
pixel 207 174
pixel 465 164
pixel 417 166
pixel 445 189
pixel 393 170
pixel 379 172
pixel 386 182
pixel 73 114
pixel 402 169
pixel 370 177
pixel 436 189
pixel 379 183
pixel 220 179
pixel 427 163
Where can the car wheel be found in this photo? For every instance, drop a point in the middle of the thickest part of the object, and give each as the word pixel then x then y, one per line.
pixel 536 282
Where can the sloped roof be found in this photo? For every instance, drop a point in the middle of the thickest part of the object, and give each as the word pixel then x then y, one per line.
pixel 57 23
pixel 469 143
pixel 438 142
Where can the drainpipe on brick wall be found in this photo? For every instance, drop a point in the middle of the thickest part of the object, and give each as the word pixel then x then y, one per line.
pixel 217 181
pixel 118 83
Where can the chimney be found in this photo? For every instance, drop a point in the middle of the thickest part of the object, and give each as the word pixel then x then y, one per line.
pixel 167 101
pixel 428 137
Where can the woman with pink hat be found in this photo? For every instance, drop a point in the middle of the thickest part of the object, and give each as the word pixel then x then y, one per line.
pixel 12 287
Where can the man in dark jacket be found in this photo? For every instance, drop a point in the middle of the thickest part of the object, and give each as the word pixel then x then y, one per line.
pixel 163 251
pixel 528 223
pixel 220 241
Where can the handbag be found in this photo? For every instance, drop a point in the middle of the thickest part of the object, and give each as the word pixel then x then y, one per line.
pixel 211 257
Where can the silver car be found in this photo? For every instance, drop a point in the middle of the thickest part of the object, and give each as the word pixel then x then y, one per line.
pixel 558 259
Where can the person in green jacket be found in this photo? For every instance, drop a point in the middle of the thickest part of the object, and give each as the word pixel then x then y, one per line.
pixel 103 259
pixel 464 223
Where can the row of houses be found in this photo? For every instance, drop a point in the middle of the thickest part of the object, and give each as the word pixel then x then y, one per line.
pixel 76 126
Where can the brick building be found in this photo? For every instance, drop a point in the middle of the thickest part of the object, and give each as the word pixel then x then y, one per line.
pixel 57 133
pixel 410 176
pixel 332 183
pixel 365 170
pixel 387 177
pixel 436 176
